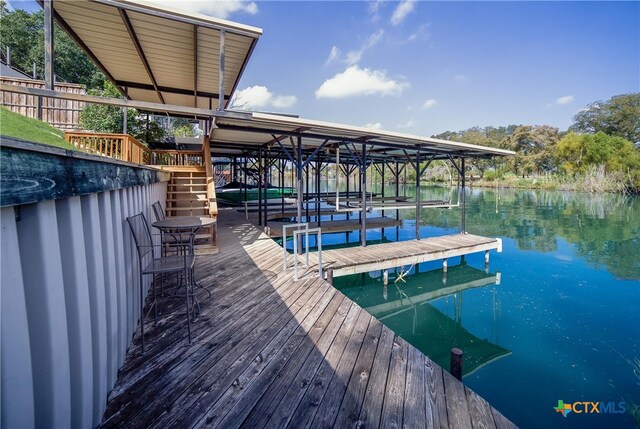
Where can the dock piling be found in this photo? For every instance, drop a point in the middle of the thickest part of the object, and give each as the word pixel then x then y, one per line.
pixel 329 278
pixel 456 363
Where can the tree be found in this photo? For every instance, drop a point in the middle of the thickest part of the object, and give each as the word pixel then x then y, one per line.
pixel 181 127
pixel 108 119
pixel 24 33
pixel 487 136
pixel 534 147
pixel 577 152
pixel 618 116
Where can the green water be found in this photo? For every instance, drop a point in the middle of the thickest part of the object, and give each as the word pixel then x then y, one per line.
pixel 555 317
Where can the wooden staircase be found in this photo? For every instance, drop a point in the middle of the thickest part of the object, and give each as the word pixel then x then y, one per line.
pixel 187 192
pixel 187 195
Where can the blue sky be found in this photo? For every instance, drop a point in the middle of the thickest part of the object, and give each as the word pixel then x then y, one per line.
pixel 427 67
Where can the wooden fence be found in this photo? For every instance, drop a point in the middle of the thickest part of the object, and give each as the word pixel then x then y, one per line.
pixel 62 114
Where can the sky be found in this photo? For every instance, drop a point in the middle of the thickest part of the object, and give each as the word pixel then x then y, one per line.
pixel 427 67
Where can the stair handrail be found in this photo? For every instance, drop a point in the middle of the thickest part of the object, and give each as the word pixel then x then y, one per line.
pixel 211 186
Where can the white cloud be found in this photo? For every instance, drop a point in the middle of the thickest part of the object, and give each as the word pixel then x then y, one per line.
pixel 333 55
pixel 373 126
pixel 402 10
pixel 410 123
pixel 430 103
pixel 354 57
pixel 259 96
pixel 284 101
pixel 460 78
pixel 356 81
pixel 564 100
pixel 420 33
pixel 220 9
pixel 374 7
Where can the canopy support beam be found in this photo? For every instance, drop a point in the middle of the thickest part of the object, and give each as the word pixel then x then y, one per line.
pixel 48 45
pixel 134 38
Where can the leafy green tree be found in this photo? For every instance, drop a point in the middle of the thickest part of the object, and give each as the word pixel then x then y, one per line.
pixel 487 136
pixel 618 116
pixel 24 33
pixel 109 119
pixel 577 152
pixel 181 127
pixel 534 147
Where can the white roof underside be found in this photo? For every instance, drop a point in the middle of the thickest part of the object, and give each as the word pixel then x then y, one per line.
pixel 182 50
pixel 259 129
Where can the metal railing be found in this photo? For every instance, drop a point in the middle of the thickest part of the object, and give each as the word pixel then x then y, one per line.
pixel 296 236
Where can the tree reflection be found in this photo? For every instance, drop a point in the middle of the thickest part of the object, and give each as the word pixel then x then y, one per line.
pixel 604 228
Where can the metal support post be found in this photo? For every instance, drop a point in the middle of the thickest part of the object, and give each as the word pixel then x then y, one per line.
pixel 48 45
pixel 463 202
pixel 418 171
pixel 260 186
pixel 363 184
pixel 221 71
pixel 318 193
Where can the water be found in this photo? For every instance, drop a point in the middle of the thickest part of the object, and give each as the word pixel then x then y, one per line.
pixel 563 322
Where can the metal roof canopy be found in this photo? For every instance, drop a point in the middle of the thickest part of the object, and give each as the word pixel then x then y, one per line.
pixel 157 54
pixel 243 135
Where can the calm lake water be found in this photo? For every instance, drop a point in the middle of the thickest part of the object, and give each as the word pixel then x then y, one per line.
pixel 555 317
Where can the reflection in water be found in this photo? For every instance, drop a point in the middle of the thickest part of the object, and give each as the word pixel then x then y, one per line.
pixel 605 228
pixel 568 306
pixel 405 306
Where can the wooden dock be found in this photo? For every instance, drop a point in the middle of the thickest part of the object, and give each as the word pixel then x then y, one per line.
pixel 354 260
pixel 270 352
pixel 344 225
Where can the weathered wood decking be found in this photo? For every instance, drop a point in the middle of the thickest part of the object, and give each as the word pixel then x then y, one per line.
pixel 354 260
pixel 271 352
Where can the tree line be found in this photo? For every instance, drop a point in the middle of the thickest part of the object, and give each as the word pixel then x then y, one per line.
pixel 604 136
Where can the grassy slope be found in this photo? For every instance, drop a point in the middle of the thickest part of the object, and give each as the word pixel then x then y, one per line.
pixel 18 126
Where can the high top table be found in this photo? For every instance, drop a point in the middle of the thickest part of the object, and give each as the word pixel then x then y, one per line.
pixel 185 224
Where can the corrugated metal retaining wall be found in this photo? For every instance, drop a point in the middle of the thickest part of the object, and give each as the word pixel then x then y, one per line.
pixel 69 301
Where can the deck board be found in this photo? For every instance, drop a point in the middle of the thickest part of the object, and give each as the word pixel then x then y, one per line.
pixel 268 351
pixel 355 260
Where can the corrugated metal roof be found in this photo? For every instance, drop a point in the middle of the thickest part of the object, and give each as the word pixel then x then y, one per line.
pixel 158 54
pixel 259 129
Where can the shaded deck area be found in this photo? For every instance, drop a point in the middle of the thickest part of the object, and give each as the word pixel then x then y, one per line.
pixel 268 351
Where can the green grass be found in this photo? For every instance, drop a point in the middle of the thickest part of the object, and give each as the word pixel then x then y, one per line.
pixel 18 126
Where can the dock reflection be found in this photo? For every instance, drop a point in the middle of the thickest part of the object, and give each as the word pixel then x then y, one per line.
pixel 406 305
